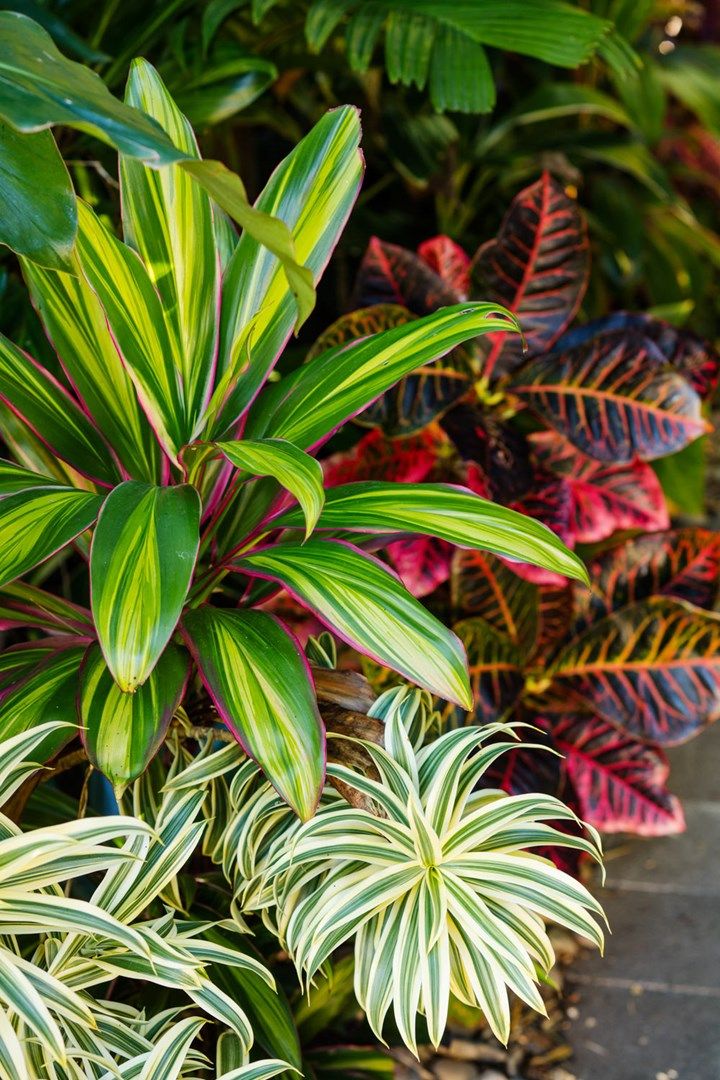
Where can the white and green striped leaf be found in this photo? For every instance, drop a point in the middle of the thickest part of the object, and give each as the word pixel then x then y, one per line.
pixel 121 731
pixel 311 403
pixel 367 605
pixel 258 678
pixel 168 219
pixel 36 523
pixel 48 409
pixel 76 325
pixel 141 564
pixel 312 191
pixel 301 474
pixel 452 513
pixel 137 323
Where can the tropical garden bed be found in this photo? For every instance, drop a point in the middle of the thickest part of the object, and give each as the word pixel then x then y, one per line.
pixel 355 574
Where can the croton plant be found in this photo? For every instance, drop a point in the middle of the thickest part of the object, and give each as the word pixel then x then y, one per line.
pixel 565 432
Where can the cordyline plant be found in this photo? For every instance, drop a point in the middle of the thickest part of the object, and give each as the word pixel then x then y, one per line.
pixel 567 434
pixel 164 451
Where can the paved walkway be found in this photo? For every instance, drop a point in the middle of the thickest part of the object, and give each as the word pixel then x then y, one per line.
pixel 650 1010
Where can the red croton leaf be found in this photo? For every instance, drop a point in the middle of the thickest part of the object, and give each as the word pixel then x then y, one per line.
pixel 494 451
pixel 604 498
pixel 619 782
pixel 651 669
pixel 448 260
pixel 377 457
pixel 681 563
pixel 555 604
pixel 610 399
pixel 537 267
pixel 390 274
pixel 423 562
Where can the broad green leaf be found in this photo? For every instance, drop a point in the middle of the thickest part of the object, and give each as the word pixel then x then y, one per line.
pixel 311 403
pixel 76 325
pixel 46 693
pixel 34 524
pixel 451 513
pixel 137 323
pixel 38 221
pixel 122 732
pixel 141 564
pixel 298 472
pixel 40 87
pixel 363 602
pixel 168 219
pixel 258 678
pixel 312 191
pixel 46 407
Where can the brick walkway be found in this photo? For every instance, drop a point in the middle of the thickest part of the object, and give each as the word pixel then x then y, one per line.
pixel 650 1010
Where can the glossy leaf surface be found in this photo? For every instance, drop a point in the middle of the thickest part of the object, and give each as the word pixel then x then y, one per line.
pixel 450 513
pixel 652 669
pixel 449 261
pixel 390 274
pixel 619 782
pixel 34 524
pixel 363 602
pixel 537 267
pixel 121 731
pixel 301 474
pixel 611 400
pixel 257 676
pixel 141 564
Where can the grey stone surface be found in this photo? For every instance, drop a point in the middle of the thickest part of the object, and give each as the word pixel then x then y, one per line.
pixel 651 1009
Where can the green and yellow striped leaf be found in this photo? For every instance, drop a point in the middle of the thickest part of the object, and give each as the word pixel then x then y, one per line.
pixel 121 731
pixel 36 523
pixel 301 474
pixel 446 511
pixel 168 219
pixel 47 692
pixel 312 191
pixel 256 674
pixel 36 396
pixel 17 478
pixel 76 325
pixel 308 405
pixel 141 564
pixel 367 605
pixel 22 604
pixel 137 323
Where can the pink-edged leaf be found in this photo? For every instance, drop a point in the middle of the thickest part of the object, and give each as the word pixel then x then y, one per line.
pixel 123 732
pixel 36 523
pixel 619 782
pixel 651 669
pixel 611 400
pixel 390 274
pixel 449 261
pixel 680 563
pixel 256 674
pixel 45 688
pixel 605 498
pixel 537 267
pixel 26 605
pixel 367 606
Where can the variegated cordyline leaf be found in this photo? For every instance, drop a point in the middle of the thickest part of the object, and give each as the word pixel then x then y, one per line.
pixel 168 219
pixel 46 686
pixel 312 402
pixel 141 564
pixel 451 513
pixel 312 191
pixel 367 606
pixel 301 474
pixel 76 325
pixel 261 685
pixel 442 892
